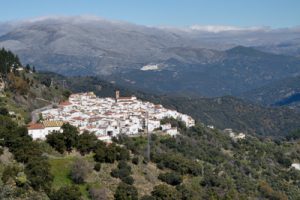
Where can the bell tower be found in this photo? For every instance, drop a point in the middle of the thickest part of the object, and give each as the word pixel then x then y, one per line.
pixel 117 95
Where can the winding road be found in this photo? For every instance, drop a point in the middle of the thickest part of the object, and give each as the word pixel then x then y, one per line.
pixel 35 113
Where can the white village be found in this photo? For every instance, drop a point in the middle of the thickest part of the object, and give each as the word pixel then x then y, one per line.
pixel 107 117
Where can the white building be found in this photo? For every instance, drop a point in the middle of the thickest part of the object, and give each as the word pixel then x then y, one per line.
pixel 41 130
pixel 296 166
pixel 172 132
pixel 108 117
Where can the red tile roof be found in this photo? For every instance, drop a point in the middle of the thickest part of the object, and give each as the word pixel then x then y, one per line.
pixel 65 103
pixel 78 118
pixel 32 126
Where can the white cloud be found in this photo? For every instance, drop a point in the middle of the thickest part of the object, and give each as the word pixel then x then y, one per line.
pixel 223 28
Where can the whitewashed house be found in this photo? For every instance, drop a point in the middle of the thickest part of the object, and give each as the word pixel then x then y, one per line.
pixel 172 132
pixel 41 130
pixel 165 127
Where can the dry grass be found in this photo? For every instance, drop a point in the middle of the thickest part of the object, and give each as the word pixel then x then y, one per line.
pixel 145 175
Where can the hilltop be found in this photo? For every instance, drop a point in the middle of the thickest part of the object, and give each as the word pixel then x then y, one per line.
pixel 222 112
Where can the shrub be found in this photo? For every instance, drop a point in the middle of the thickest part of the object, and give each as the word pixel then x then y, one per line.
pixel 38 173
pixel 56 140
pixel 126 192
pixel 99 154
pixel 122 154
pixel 10 172
pixel 124 165
pixel 135 160
pixel 147 197
pixel 3 111
pixel 80 170
pixel 128 179
pixel 86 142
pixel 120 173
pixel 66 192
pixel 170 178
pixel 164 192
pixel 98 194
pixel 97 167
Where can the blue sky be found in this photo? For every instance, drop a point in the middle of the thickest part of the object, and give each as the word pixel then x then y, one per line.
pixel 274 13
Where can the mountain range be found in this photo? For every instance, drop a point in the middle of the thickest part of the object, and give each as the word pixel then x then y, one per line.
pixel 198 60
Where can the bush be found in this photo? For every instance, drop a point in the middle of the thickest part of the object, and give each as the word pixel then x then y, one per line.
pixel 38 173
pixel 80 170
pixel 135 160
pixel 10 172
pixel 147 197
pixel 66 193
pixel 86 142
pixel 97 167
pixel 269 193
pixel 70 136
pixel 128 180
pixel 98 194
pixel 123 172
pixel 3 111
pixel 122 154
pixel 99 154
pixel 164 192
pixel 124 165
pixel 120 173
pixel 110 154
pixel 126 192
pixel 178 163
pixel 170 178
pixel 56 140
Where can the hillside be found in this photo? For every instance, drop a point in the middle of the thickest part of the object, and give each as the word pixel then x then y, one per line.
pixel 230 112
pixel 222 112
pixel 232 72
pixel 200 163
pixel 280 93
pixel 23 89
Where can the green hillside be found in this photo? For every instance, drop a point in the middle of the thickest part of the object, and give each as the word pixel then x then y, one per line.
pixel 199 164
pixel 23 90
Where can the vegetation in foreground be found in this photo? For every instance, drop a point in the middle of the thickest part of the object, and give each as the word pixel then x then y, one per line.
pixel 199 164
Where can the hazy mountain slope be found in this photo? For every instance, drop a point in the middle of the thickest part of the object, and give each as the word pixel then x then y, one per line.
pixel 282 92
pixel 94 46
pixel 87 45
pixel 229 112
pixel 229 72
pixel 289 47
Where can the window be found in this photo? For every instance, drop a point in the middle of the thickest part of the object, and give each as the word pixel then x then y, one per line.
pixel 109 133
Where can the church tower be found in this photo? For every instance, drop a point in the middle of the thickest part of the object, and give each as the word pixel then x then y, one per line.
pixel 117 95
